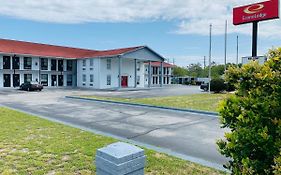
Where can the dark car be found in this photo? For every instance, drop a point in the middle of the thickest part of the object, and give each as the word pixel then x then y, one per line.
pixel 204 87
pixel 31 86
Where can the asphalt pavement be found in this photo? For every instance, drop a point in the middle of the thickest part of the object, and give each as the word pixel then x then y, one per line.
pixel 186 135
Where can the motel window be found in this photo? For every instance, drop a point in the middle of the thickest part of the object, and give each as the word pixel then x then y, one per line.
pixel 60 65
pixel 91 78
pixel 84 63
pixel 108 80
pixel 16 62
pixel 53 64
pixel 91 62
pixel 168 71
pixel 154 70
pixel 69 65
pixel 27 78
pixel 108 64
pixel 27 62
pixel 69 80
pixel 6 62
pixel 44 63
pixel 44 79
pixel 84 78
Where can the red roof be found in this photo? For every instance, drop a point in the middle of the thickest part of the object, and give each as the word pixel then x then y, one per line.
pixel 44 50
pixel 158 64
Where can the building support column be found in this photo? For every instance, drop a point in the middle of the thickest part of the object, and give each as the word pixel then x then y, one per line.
pixel 120 72
pixel 162 74
pixel 149 74
pixel 135 73
pixel 39 71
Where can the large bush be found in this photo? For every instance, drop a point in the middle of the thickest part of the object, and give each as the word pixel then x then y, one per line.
pixel 253 115
pixel 217 85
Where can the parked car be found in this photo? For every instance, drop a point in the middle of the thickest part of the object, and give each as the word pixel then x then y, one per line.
pixel 31 86
pixel 204 87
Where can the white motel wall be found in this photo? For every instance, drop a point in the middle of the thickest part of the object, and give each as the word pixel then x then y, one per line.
pixel 128 70
pixel 100 72
pixel 35 71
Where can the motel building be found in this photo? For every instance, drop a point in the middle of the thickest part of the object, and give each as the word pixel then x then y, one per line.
pixel 57 66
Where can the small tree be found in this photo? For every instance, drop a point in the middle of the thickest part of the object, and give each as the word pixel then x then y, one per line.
pixel 217 85
pixel 179 71
pixel 253 115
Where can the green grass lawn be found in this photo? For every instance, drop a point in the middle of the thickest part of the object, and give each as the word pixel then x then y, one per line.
pixel 30 145
pixel 205 102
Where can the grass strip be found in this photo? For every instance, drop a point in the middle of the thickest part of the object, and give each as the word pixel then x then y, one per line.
pixel 31 145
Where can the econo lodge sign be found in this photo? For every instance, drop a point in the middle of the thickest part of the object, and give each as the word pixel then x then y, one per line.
pixel 256 12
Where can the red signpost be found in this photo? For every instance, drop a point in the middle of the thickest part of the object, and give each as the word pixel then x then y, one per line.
pixel 253 14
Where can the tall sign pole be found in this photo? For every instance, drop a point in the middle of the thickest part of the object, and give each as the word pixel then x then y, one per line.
pixel 254 13
pixel 210 58
pixel 255 39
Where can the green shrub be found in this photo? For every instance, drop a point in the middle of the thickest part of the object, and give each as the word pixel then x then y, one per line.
pixel 229 87
pixel 217 85
pixel 277 166
pixel 253 116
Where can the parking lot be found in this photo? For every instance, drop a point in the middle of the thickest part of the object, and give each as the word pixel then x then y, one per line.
pixel 170 90
pixel 191 135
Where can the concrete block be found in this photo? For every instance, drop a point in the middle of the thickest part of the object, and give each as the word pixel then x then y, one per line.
pixel 120 159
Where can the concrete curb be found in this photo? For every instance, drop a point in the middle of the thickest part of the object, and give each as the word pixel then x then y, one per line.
pixel 215 114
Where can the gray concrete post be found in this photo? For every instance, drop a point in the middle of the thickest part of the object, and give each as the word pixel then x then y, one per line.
pixel 162 74
pixel 149 74
pixel 120 159
pixel 135 73
pixel 119 71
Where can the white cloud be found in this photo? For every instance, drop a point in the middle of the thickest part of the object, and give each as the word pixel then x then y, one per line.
pixel 194 14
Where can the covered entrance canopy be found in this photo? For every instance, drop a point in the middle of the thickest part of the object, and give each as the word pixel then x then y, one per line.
pixel 140 54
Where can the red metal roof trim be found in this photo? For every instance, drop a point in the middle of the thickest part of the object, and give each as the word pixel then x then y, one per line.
pixel 158 64
pixel 44 50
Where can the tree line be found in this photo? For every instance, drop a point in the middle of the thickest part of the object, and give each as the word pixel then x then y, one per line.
pixel 197 70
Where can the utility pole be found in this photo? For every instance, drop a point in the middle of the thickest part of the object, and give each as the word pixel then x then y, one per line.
pixel 210 55
pixel 204 62
pixel 237 50
pixel 225 45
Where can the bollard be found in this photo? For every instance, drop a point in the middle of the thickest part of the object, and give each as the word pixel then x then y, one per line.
pixel 120 159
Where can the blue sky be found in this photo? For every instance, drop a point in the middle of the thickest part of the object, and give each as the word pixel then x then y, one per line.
pixel 183 38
